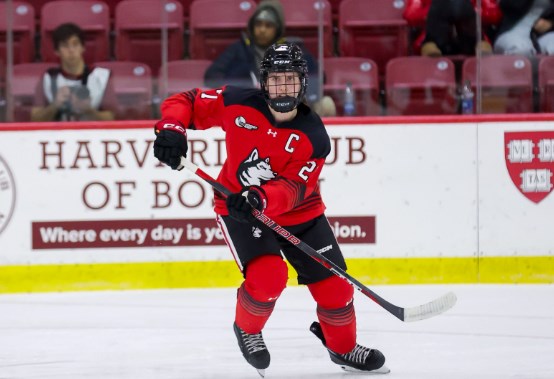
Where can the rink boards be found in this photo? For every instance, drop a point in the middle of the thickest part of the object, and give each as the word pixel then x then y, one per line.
pixel 437 200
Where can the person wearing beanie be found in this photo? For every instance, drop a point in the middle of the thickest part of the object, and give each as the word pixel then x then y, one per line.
pixel 239 64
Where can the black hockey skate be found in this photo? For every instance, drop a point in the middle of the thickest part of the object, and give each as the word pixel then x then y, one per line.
pixel 360 359
pixel 253 349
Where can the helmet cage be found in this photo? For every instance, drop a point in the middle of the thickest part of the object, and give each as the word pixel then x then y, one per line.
pixel 284 58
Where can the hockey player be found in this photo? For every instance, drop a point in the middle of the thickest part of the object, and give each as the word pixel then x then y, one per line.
pixel 276 148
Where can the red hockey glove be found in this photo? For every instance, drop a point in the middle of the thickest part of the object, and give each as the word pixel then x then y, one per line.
pixel 171 142
pixel 240 204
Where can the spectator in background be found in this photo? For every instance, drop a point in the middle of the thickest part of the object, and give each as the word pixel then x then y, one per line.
pixel 239 64
pixel 448 27
pixel 73 91
pixel 526 28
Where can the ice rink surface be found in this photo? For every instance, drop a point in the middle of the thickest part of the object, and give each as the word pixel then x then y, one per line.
pixel 494 331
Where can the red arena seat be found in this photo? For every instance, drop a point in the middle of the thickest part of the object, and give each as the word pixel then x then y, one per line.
pixel 506 82
pixel 373 29
pixel 112 4
pixel 546 84
pixel 420 86
pixel 138 28
pixel 92 16
pixel 215 24
pixel 24 84
pixel 302 21
pixel 362 73
pixel 132 83
pixel 182 76
pixel 23 26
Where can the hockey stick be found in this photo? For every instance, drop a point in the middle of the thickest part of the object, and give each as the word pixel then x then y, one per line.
pixel 416 313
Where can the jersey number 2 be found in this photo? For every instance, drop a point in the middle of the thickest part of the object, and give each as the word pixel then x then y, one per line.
pixel 310 167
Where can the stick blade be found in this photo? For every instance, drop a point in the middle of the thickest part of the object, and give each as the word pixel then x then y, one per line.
pixel 431 309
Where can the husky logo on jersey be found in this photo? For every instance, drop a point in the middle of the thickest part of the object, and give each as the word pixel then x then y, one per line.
pixel 241 123
pixel 254 171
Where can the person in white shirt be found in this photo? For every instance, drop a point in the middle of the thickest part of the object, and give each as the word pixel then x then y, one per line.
pixel 73 91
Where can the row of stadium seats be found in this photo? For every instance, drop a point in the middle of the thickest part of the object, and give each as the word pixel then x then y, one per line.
pixel 38 4
pixel 373 29
pixel 413 85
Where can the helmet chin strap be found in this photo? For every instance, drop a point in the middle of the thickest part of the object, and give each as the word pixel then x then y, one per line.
pixel 283 104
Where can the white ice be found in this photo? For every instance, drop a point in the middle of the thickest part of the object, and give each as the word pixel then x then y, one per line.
pixel 495 331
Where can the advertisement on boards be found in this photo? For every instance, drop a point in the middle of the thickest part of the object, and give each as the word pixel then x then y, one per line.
pixel 392 191
pixel 101 196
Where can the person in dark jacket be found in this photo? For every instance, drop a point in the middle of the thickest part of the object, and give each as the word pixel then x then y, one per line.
pixel 526 28
pixel 239 64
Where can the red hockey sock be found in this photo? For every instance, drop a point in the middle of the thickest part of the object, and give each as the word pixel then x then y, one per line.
pixel 335 311
pixel 266 278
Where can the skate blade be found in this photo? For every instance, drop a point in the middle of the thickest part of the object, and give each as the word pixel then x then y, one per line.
pixel 261 372
pixel 380 371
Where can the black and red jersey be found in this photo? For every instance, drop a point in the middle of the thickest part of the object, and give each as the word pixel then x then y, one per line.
pixel 285 159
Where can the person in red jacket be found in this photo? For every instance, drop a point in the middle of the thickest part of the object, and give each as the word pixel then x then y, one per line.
pixel 448 27
pixel 276 148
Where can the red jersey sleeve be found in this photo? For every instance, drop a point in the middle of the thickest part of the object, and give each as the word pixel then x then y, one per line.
pixel 196 109
pixel 290 189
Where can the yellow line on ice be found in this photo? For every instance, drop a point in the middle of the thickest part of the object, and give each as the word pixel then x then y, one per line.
pixel 153 275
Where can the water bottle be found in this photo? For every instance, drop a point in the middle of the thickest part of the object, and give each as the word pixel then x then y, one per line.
pixel 349 100
pixel 467 98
